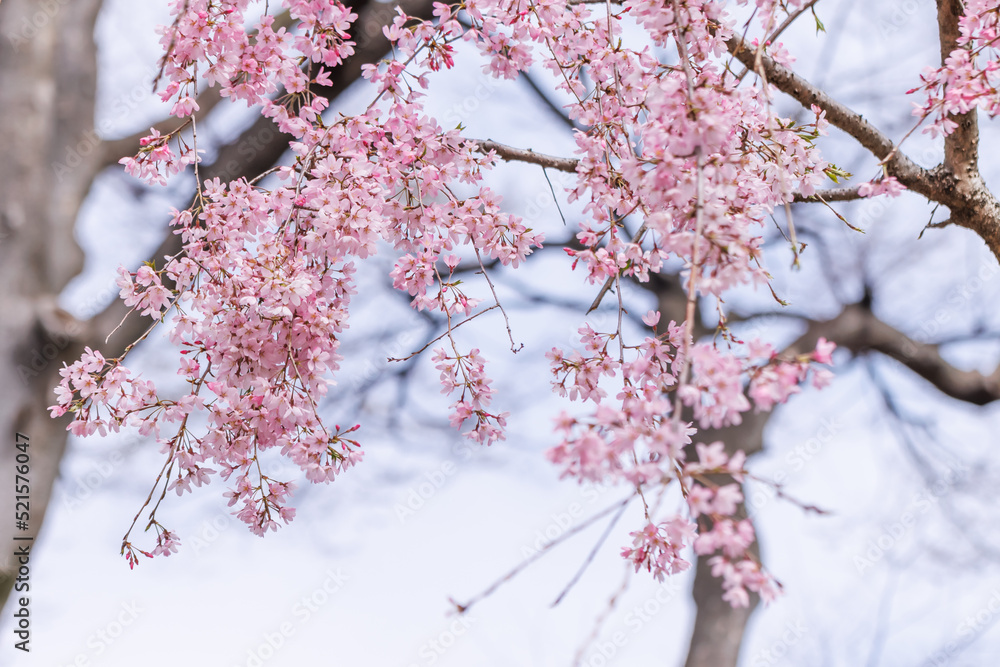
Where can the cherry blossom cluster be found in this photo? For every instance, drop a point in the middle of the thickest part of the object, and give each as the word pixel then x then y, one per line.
pixel 970 75
pixel 466 372
pixel 156 160
pixel 640 442
pixel 262 289
pixel 701 162
pixel 710 527
pixel 680 150
pixel 887 185
pixel 658 547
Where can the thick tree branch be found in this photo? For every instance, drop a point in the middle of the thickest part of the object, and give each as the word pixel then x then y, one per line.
pixel 718 629
pixel 48 75
pixel 961 147
pixel 859 330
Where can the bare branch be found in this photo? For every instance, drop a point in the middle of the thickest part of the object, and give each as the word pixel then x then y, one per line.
pixel 789 20
pixel 859 330
pixel 545 548
pixel 849 193
pixel 527 155
pixel 591 555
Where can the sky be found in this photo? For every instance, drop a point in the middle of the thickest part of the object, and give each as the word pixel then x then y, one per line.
pixel 900 572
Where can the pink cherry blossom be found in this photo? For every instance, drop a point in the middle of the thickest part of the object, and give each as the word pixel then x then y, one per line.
pixel 258 300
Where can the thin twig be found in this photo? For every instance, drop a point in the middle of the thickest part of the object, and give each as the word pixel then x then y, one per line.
pixel 510 335
pixel 462 608
pixel 593 552
pixel 554 197
pixel 636 238
pixel 449 330
pixel 599 623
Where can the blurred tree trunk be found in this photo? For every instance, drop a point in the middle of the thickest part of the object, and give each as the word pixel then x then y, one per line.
pixel 48 77
pixel 48 84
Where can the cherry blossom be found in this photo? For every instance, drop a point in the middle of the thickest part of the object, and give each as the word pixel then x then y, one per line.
pixel 678 161
pixel 883 186
pixel 970 75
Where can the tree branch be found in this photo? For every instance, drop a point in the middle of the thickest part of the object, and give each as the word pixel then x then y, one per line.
pixel 961 147
pixel 972 204
pixel 527 155
pixel 849 193
pixel 851 122
pixel 112 150
pixel 859 330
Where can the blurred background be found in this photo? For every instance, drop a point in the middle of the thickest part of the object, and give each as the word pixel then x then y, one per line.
pixel 902 569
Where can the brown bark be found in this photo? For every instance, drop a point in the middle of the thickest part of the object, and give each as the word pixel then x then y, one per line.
pixel 718 629
pixel 961 147
pixel 48 73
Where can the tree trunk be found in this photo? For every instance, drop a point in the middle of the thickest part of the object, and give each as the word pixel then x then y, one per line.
pixel 718 628
pixel 48 75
